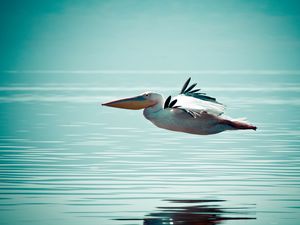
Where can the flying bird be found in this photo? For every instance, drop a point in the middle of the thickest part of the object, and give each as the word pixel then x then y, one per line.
pixel 191 111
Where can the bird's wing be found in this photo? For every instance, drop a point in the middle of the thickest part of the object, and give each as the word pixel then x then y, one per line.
pixel 198 105
pixel 193 101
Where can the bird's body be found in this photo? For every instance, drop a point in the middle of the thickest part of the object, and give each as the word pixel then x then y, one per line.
pixel 178 120
pixel 190 112
pixel 201 122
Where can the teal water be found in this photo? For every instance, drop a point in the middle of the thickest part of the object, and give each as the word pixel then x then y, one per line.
pixel 65 159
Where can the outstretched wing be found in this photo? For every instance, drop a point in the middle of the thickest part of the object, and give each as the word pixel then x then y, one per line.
pixel 193 101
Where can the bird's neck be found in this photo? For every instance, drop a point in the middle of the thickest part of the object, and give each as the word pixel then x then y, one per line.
pixel 150 112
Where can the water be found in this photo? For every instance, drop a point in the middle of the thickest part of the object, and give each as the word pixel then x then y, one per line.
pixel 66 160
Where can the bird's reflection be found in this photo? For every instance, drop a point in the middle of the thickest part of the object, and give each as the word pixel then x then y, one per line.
pixel 196 212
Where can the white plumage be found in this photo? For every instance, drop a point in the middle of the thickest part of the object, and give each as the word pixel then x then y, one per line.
pixel 196 104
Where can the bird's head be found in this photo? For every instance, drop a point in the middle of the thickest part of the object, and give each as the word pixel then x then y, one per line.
pixel 141 101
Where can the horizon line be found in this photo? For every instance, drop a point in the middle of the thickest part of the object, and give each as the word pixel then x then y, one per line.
pixel 225 72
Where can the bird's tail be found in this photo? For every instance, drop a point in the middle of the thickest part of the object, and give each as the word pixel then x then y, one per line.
pixel 240 124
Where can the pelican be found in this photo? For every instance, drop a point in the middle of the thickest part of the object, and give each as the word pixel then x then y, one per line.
pixel 191 111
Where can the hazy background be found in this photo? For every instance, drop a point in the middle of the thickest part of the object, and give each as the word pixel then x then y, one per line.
pixel 66 160
pixel 150 35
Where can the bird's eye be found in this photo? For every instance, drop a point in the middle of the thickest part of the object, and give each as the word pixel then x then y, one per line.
pixel 147 95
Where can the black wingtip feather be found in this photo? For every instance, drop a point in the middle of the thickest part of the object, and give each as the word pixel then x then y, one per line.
pixel 191 87
pixel 196 90
pixel 166 105
pixel 185 85
pixel 172 103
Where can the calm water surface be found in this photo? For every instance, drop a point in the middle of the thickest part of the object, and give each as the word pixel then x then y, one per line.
pixel 66 160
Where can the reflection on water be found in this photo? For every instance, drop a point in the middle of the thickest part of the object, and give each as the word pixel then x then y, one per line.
pixel 64 159
pixel 195 212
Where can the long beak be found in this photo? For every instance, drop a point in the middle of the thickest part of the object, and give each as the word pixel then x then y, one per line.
pixel 138 102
